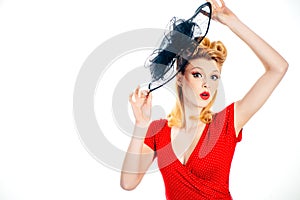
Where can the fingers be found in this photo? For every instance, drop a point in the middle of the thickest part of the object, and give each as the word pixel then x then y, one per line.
pixel 211 2
pixel 149 99
pixel 218 9
pixel 222 2
pixel 130 98
pixel 144 93
pixel 215 4
pixel 138 94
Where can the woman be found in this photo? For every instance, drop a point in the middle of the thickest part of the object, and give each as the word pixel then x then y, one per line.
pixel 194 146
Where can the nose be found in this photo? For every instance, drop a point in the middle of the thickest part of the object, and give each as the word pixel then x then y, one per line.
pixel 204 83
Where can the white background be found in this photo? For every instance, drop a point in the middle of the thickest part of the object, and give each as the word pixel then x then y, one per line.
pixel 43 45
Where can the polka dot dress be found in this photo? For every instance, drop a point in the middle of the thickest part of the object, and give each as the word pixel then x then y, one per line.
pixel 205 175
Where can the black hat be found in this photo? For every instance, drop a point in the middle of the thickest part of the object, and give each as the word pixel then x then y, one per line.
pixel 180 40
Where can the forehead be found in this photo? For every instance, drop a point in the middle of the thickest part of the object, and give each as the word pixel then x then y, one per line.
pixel 204 64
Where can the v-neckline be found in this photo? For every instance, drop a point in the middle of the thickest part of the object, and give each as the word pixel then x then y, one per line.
pixel 199 142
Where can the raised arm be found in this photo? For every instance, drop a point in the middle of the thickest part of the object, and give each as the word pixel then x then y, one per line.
pixel 275 65
pixel 139 156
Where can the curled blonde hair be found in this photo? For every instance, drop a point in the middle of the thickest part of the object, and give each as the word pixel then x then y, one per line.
pixel 211 51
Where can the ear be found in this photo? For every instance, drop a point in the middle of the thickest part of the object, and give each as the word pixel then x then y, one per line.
pixel 179 78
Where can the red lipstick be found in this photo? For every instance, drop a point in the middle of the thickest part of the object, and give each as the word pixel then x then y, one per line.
pixel 205 95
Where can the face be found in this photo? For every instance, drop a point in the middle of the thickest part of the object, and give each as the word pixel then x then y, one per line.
pixel 199 82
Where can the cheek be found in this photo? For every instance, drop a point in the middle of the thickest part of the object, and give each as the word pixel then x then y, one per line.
pixel 213 85
pixel 190 90
pixel 193 85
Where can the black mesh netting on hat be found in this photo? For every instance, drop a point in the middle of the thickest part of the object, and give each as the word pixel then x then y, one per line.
pixel 180 40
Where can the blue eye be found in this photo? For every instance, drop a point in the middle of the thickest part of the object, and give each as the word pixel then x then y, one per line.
pixel 197 75
pixel 214 77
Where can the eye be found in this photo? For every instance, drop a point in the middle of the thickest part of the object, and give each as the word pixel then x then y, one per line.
pixel 214 77
pixel 197 75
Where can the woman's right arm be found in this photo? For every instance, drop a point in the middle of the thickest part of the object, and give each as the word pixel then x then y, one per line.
pixel 139 156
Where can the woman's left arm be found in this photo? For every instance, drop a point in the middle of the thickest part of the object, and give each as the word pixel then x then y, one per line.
pixel 275 65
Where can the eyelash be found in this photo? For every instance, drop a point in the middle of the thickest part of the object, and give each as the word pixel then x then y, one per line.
pixel 214 77
pixel 197 75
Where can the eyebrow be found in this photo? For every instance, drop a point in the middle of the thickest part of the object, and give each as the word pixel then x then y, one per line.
pixel 202 69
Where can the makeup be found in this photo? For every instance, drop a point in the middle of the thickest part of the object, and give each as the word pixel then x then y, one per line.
pixel 205 95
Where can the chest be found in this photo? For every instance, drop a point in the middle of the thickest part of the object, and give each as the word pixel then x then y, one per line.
pixel 183 144
pixel 207 155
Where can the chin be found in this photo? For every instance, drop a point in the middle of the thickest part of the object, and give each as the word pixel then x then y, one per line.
pixel 203 103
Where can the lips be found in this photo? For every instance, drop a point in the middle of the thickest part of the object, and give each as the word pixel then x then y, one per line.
pixel 205 95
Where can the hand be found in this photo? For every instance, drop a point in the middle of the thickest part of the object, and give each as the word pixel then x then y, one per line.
pixel 221 13
pixel 141 106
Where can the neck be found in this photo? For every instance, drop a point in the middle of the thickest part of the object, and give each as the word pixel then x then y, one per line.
pixel 191 115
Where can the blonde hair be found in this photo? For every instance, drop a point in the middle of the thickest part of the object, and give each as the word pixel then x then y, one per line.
pixel 211 51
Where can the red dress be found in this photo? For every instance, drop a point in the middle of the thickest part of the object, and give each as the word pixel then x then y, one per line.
pixel 206 173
